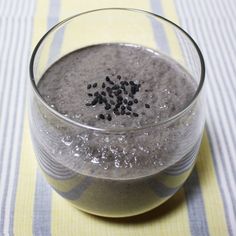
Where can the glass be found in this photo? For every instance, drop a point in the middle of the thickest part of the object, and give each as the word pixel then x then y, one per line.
pixel 175 140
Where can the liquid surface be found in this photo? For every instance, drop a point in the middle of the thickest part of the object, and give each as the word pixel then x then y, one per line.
pixel 115 85
pixel 152 88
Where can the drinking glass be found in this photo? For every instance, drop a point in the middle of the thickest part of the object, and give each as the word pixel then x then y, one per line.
pixel 59 142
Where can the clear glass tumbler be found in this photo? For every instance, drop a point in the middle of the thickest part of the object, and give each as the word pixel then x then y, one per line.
pixel 59 141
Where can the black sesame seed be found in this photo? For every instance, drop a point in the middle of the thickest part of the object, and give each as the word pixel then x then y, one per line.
pixel 115 87
pixel 109 117
pixel 147 105
pixel 100 100
pixel 96 94
pixel 110 95
pixel 122 112
pixel 119 98
pixel 118 92
pixel 135 114
pixel 88 104
pixel 112 102
pixel 126 83
pixel 103 93
pixel 131 83
pixel 125 101
pixel 146 90
pixel 101 116
pixel 111 82
pixel 117 106
pixel 122 107
pixel 128 113
pixel 136 87
pixel 122 87
pixel 117 112
pixel 135 100
pixel 122 82
pixel 108 89
pixel 107 78
pixel 89 86
pixel 130 103
pixel 103 85
pixel 118 77
pixel 95 85
pixel 94 102
pixel 108 106
pixel 129 108
pixel 133 90
pixel 90 94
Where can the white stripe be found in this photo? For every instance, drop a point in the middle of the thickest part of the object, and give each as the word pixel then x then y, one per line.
pixel 230 7
pixel 225 87
pixel 218 118
pixel 15 154
pixel 218 121
pixel 3 31
pixel 227 128
pixel 24 42
pixel 7 10
pixel 219 167
pixel 10 43
pixel 4 173
pixel 5 7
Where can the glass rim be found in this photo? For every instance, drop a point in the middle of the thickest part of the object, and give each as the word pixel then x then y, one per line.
pixel 116 130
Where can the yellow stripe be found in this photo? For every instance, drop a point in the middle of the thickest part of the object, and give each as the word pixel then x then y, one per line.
pixel 170 13
pixel 210 190
pixel 205 167
pixel 23 216
pixel 75 36
pixel 66 220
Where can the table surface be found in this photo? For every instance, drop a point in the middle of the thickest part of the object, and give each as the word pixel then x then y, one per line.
pixel 205 205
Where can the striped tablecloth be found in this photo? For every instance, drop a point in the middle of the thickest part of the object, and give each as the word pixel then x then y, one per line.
pixel 206 205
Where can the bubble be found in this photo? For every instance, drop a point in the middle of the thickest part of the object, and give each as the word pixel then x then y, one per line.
pixel 163 106
pixel 117 164
pixel 77 116
pixel 114 149
pixel 106 139
pixel 160 162
pixel 75 150
pixel 76 155
pixel 67 140
pixel 105 166
pixel 95 160
pixel 122 139
pixel 143 149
